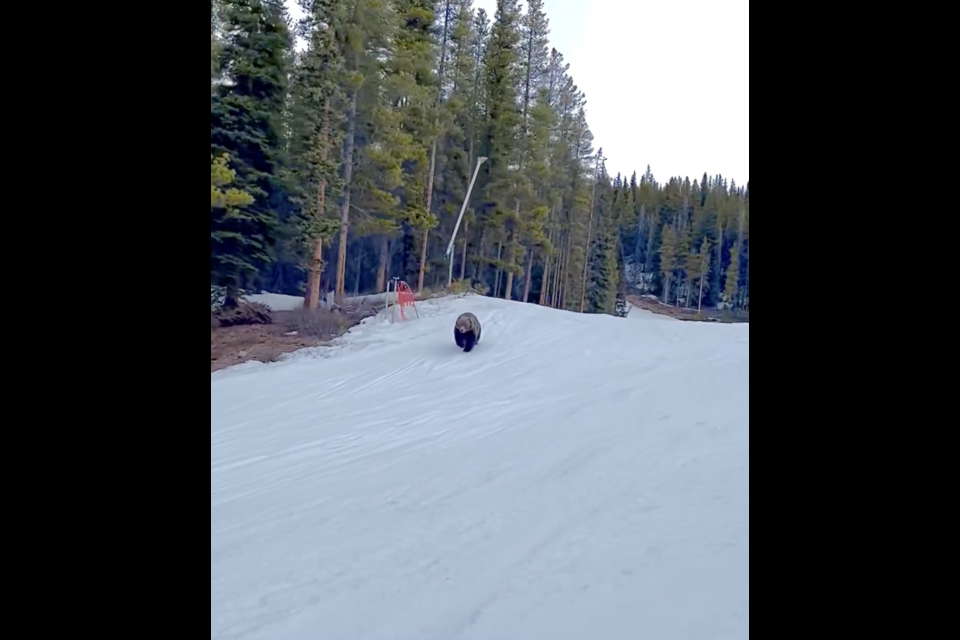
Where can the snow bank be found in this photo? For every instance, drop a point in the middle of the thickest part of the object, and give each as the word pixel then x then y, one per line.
pixel 276 301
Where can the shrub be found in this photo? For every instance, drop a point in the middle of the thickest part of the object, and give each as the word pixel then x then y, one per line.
pixel 245 313
pixel 463 287
pixel 218 295
pixel 322 324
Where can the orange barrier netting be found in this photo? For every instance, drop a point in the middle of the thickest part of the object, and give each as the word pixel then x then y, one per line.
pixel 405 298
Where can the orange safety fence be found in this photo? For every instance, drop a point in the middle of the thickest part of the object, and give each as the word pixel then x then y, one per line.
pixel 405 298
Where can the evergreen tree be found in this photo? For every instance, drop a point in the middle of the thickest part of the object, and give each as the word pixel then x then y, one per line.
pixel 732 278
pixel 246 109
pixel 604 275
pixel 703 264
pixel 668 259
pixel 500 174
pixel 229 199
pixel 414 90
pixel 389 106
pixel 366 44
pixel 316 134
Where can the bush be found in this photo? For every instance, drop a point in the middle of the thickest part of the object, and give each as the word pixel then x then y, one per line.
pixel 218 295
pixel 244 313
pixel 463 287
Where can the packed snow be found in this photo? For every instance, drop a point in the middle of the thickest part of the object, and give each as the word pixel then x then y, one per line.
pixel 637 313
pixel 573 477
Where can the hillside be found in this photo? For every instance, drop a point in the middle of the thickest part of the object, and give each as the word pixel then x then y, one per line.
pixel 575 476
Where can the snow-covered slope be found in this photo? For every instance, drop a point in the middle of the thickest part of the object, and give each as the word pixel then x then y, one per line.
pixel 636 313
pixel 574 477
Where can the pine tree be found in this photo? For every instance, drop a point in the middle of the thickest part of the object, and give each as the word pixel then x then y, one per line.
pixel 536 120
pixel 703 264
pixel 415 91
pixel 732 278
pixel 316 134
pixel 668 259
pixel 366 43
pixel 220 176
pixel 500 175
pixel 389 107
pixel 604 276
pixel 245 115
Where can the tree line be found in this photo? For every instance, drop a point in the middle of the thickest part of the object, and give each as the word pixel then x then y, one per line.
pixel 343 163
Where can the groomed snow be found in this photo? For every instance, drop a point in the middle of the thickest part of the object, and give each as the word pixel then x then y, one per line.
pixel 574 477
pixel 637 313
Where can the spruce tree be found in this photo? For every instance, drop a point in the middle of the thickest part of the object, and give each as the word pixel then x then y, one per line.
pixel 668 259
pixel 366 46
pixel 501 171
pixel 703 263
pixel 316 134
pixel 246 110
pixel 732 278
pixel 414 90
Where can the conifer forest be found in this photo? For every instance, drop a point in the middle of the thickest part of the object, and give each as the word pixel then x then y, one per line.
pixel 342 163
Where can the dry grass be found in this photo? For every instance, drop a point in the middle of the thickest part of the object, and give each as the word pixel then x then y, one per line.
pixel 279 333
pixel 315 323
pixel 243 313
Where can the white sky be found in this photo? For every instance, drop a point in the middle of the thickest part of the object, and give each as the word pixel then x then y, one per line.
pixel 667 81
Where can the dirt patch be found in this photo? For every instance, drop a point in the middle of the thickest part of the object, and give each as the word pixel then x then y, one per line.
pixel 707 314
pixel 286 332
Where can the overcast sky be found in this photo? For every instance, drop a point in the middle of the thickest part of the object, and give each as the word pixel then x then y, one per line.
pixel 667 81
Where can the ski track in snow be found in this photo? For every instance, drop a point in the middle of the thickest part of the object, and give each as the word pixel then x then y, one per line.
pixel 573 477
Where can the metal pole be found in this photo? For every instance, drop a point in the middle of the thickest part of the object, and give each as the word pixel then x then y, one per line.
pixel 456 228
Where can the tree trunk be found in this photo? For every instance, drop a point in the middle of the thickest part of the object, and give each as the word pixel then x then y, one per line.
pixel 463 256
pixel 382 266
pixel 511 258
pixel 718 278
pixel 480 249
pixel 555 277
pixel 312 296
pixel 586 249
pixel 565 276
pixel 640 221
pixel 511 255
pixel 545 281
pixel 347 177
pixel 496 278
pixel 423 260
pixel 700 299
pixel 529 270
pixel 423 250
pixel 356 282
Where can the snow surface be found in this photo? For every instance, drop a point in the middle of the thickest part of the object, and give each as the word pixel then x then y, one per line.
pixel 637 313
pixel 276 301
pixel 573 477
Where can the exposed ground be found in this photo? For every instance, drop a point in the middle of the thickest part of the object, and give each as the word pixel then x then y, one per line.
pixel 287 332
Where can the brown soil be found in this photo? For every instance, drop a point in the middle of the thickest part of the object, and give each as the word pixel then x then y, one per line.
pixel 287 332
pixel 263 342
